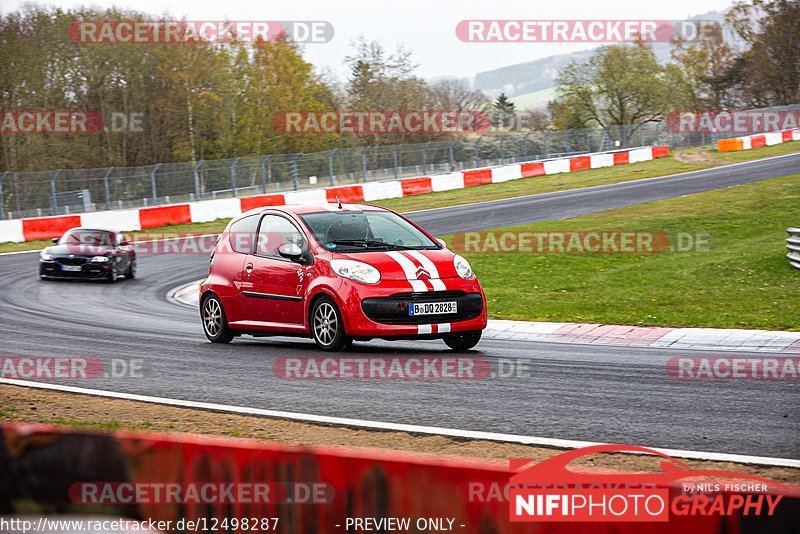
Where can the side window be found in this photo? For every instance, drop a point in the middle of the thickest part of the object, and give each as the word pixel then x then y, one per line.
pixel 274 232
pixel 242 234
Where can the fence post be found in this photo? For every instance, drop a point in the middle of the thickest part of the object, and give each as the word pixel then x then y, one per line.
pixel 295 179
pixel 264 161
pixel 450 154
pixel 547 144
pixel 108 193
pixel 364 163
pixel 477 164
pixel 53 199
pixel 396 161
pixel 502 149
pixel 424 157
pixel 2 198
pixel 330 165
pixel 153 183
pixel 197 179
pixel 233 176
pixel 525 146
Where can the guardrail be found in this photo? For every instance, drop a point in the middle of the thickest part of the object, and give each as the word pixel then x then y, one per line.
pixel 793 244
pixel 19 230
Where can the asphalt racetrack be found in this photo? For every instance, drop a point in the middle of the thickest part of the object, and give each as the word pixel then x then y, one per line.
pixel 568 391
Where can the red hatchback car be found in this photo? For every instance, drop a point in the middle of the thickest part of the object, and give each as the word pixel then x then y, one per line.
pixel 337 273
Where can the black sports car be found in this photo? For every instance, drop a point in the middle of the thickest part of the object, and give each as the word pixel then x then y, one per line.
pixel 88 253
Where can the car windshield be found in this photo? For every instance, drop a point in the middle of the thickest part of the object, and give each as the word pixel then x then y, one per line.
pixel 96 238
pixel 358 231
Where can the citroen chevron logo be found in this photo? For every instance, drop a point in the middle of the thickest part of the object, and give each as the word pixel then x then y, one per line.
pixel 422 274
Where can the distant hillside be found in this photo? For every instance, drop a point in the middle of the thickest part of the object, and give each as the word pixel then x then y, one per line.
pixel 534 76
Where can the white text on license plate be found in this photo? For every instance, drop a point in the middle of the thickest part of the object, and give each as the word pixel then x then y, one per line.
pixel 73 268
pixel 430 308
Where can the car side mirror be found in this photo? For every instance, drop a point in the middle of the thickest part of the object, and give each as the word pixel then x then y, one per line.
pixel 442 242
pixel 54 240
pixel 290 251
pixel 123 243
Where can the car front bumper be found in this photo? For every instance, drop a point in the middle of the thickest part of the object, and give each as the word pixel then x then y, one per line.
pixel 382 310
pixel 89 271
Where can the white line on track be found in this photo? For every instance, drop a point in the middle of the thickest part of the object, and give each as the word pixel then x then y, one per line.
pixel 398 427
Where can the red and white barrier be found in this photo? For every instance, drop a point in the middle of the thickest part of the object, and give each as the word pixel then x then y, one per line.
pixel 19 230
pixel 754 141
pixel 325 488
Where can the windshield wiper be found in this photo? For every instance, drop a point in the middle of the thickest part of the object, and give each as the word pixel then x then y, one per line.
pixel 370 243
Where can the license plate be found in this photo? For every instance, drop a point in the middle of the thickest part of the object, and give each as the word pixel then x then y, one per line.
pixel 72 268
pixel 431 308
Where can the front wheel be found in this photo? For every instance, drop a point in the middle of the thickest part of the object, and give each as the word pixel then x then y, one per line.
pixel 462 341
pixel 327 326
pixel 215 323
pixel 131 273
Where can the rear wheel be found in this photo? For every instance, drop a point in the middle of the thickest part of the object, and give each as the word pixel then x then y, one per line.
pixel 327 326
pixel 462 341
pixel 215 323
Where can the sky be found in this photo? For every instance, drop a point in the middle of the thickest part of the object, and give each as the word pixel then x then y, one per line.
pixel 426 27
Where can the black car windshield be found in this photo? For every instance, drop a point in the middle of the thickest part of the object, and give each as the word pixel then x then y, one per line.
pixel 358 231
pixel 96 238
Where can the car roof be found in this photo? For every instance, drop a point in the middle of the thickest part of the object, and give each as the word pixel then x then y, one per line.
pixel 93 229
pixel 301 209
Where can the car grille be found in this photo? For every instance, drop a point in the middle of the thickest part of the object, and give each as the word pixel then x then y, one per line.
pixel 428 295
pixel 71 261
pixel 394 309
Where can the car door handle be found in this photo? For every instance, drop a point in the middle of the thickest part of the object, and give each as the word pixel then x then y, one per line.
pixel 248 267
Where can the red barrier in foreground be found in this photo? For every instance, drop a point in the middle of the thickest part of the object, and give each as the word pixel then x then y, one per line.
pixel 48 468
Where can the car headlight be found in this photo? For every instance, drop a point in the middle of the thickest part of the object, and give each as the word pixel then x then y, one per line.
pixel 356 270
pixel 462 267
pixel 100 259
pixel 45 257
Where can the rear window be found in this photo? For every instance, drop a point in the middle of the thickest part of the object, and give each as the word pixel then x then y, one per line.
pixel 242 234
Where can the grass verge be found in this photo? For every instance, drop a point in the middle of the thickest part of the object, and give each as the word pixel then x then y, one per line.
pixel 743 281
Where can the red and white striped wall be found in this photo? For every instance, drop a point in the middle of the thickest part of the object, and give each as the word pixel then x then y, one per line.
pixel 19 230
pixel 755 141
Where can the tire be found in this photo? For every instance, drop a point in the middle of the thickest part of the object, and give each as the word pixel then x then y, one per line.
pixel 215 322
pixel 327 326
pixel 112 275
pixel 462 341
pixel 131 274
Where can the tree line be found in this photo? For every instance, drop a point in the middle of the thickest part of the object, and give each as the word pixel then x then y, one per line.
pixel 208 101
